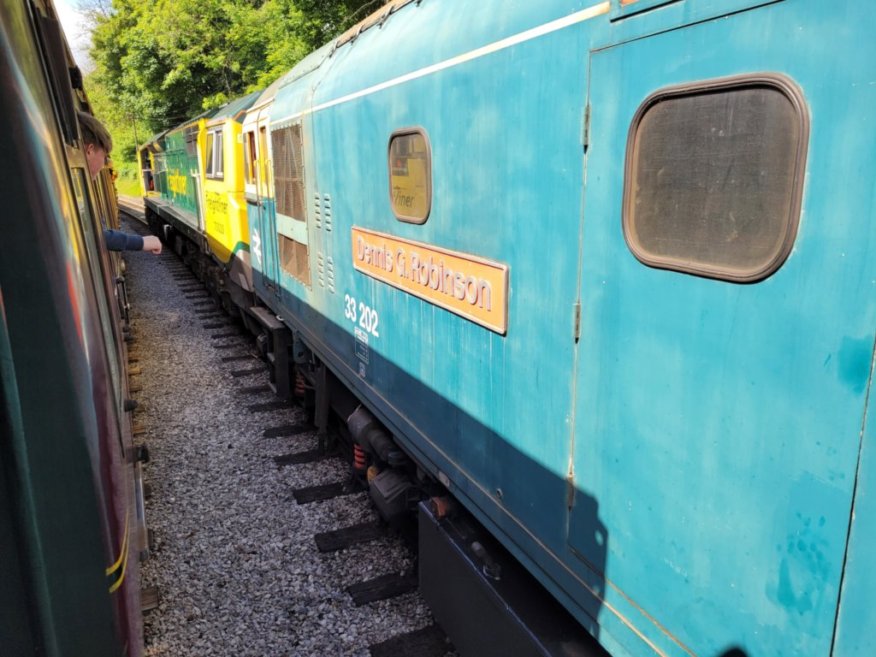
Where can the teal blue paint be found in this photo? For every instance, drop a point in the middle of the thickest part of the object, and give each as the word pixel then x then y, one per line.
pixel 713 427
pixel 255 239
pixel 708 397
pixel 262 232
pixel 804 577
pixel 854 363
pixel 797 601
pixel 857 613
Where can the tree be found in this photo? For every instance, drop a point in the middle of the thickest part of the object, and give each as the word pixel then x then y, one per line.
pixel 326 19
pixel 169 60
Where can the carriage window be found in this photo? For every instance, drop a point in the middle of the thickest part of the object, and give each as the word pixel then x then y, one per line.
pixel 146 171
pixel 79 186
pixel 410 175
pixel 215 154
pixel 209 159
pixel 191 135
pixel 161 173
pixel 714 177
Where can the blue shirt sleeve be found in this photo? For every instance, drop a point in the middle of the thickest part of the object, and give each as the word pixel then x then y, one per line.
pixel 116 240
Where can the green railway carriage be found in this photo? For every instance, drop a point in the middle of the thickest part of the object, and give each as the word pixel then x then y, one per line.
pixel 71 523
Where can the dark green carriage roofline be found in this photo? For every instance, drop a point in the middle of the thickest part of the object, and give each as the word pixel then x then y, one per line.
pixel 235 108
pixel 161 135
pixel 229 110
pixel 154 139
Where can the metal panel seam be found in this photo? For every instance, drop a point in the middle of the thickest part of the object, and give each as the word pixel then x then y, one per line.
pixel 839 599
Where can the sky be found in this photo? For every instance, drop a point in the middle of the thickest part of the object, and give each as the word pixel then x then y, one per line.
pixel 76 30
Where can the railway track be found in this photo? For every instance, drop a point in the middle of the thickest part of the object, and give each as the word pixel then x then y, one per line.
pixel 263 542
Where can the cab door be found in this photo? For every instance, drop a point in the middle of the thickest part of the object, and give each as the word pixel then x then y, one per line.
pixel 727 325
pixel 195 169
pixel 267 209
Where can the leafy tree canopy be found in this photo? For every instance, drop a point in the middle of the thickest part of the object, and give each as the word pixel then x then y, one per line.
pixel 161 62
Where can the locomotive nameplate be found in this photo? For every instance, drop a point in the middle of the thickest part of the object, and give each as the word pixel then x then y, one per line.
pixel 466 285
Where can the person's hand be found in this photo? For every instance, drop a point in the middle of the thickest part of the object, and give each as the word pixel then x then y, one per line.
pixel 152 244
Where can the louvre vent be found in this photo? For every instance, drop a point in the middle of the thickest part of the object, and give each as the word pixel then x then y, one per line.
pixel 320 268
pixel 330 274
pixel 289 171
pixel 327 211
pixel 317 211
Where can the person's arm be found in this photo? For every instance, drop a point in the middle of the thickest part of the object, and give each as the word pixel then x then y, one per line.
pixel 116 240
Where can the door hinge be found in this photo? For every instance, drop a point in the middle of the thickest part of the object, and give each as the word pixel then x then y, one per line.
pixel 585 133
pixel 576 310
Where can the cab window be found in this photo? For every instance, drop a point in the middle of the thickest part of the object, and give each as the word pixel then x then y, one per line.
pixel 215 154
pixel 410 175
pixel 249 157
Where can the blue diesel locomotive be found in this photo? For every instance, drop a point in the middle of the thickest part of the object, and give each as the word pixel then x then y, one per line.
pixel 603 274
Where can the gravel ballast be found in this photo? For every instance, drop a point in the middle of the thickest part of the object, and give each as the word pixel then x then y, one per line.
pixel 234 557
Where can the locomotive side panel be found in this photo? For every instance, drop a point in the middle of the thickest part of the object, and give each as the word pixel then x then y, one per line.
pixel 226 224
pixel 180 161
pixel 718 422
pixel 857 613
pixel 507 169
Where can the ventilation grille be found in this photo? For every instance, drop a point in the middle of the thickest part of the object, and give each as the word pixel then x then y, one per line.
pixel 320 268
pixel 327 211
pixel 294 259
pixel 289 172
pixel 325 271
pixel 330 274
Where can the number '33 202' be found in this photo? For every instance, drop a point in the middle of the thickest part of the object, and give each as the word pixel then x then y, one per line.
pixel 366 317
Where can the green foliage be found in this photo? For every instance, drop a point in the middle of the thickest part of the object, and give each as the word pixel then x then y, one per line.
pixel 128 181
pixel 126 130
pixel 162 62
pixel 326 19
